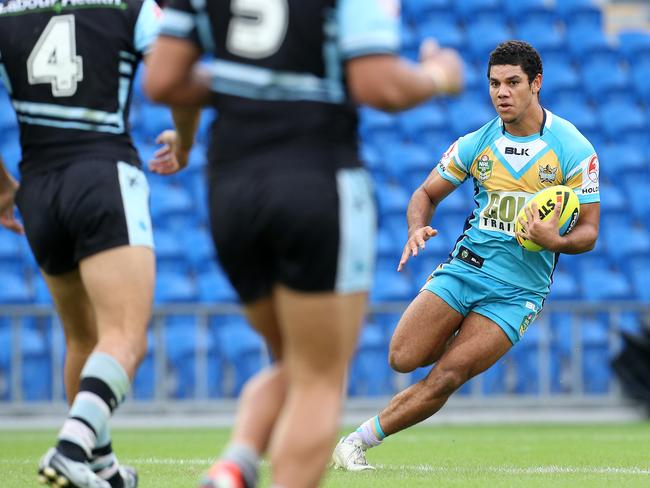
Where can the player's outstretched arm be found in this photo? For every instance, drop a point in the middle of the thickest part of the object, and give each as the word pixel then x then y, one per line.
pixel 8 189
pixel 420 210
pixel 387 82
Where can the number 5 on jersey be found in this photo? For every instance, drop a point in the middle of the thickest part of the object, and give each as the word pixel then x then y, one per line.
pixel 54 57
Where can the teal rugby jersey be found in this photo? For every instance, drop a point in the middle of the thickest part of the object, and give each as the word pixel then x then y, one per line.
pixel 506 171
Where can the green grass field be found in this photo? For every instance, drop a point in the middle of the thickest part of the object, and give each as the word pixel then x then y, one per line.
pixel 613 456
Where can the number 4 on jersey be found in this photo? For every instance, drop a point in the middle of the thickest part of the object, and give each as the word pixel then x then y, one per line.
pixel 54 57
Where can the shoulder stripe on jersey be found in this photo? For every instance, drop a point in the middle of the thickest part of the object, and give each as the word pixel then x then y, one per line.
pixel 259 83
pixel 177 23
pixel 369 44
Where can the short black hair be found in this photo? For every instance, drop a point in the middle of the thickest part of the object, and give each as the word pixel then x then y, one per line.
pixel 517 53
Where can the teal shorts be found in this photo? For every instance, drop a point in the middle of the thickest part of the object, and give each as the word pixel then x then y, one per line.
pixel 466 290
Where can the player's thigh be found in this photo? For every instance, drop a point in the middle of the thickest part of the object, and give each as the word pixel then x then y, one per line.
pixel 319 330
pixel 423 332
pixel 73 307
pixel 261 314
pixel 480 343
pixel 120 284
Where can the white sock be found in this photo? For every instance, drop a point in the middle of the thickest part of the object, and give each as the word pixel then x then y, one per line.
pixel 369 433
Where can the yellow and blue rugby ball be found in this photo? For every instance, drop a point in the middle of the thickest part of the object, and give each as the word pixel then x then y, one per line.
pixel 547 199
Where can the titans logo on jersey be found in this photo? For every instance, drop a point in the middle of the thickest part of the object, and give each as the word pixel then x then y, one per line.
pixel 507 170
pixel 68 66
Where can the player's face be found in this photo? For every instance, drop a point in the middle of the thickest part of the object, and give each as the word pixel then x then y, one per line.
pixel 511 93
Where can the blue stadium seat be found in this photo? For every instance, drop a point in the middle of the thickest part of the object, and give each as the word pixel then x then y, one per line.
pixel 583 42
pixel 562 340
pixel 11 151
pixel 416 122
pixel 370 373
pixel 615 200
pixel 416 11
pixel 199 247
pixel 11 252
pixel 619 157
pixel 559 77
pixel 526 358
pixel 596 372
pixel 173 287
pixel 387 245
pixel 214 287
pixel 542 34
pixel 634 45
pixel 466 115
pixel 483 10
pixel 620 117
pixel 15 289
pixel 580 113
pixel 152 119
pixel 613 81
pixel 623 241
pixel 36 366
pixel 640 77
pixel 446 34
pixel 7 114
pixel 600 284
pixel 530 11
pixel 565 286
pixel 491 34
pixel 641 279
pixel 391 286
pixel 637 192
pixel 243 351
pixel 144 383
pixel 42 295
pixel 582 13
pixel 183 340
pixel 392 199
pixel 170 252
pixel 172 201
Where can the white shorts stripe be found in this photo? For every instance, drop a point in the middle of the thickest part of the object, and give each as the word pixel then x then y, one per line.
pixel 358 229
pixel 135 198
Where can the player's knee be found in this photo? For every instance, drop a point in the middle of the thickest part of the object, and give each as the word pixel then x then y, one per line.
pixel 400 360
pixel 445 381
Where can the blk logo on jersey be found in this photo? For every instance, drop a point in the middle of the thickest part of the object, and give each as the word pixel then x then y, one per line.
pixel 547 174
pixel 522 151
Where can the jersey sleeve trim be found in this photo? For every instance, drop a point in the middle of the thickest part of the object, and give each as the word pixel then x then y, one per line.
pixel 176 23
pixel 147 26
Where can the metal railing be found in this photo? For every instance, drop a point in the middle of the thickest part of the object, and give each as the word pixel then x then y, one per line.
pixel 559 349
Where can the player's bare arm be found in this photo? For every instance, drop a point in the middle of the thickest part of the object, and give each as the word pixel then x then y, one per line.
pixel 420 210
pixel 544 232
pixel 8 188
pixel 390 83
pixel 172 77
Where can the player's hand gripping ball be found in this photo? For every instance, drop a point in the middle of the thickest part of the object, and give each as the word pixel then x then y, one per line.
pixel 547 199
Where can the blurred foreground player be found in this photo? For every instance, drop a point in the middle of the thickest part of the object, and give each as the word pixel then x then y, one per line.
pixel 85 206
pixel 292 212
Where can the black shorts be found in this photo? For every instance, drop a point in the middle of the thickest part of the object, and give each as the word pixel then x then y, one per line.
pixel 80 209
pixel 313 231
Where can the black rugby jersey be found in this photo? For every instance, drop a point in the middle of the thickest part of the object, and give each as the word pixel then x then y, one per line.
pixel 68 66
pixel 277 71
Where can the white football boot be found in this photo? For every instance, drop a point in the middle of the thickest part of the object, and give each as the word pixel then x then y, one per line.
pixel 57 470
pixel 350 455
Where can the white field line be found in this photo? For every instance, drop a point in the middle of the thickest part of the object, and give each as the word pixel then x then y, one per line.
pixel 420 468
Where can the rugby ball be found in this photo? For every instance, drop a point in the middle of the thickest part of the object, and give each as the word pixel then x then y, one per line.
pixel 547 199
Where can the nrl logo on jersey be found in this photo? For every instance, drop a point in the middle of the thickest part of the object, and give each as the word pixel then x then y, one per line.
pixel 547 174
pixel 484 167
